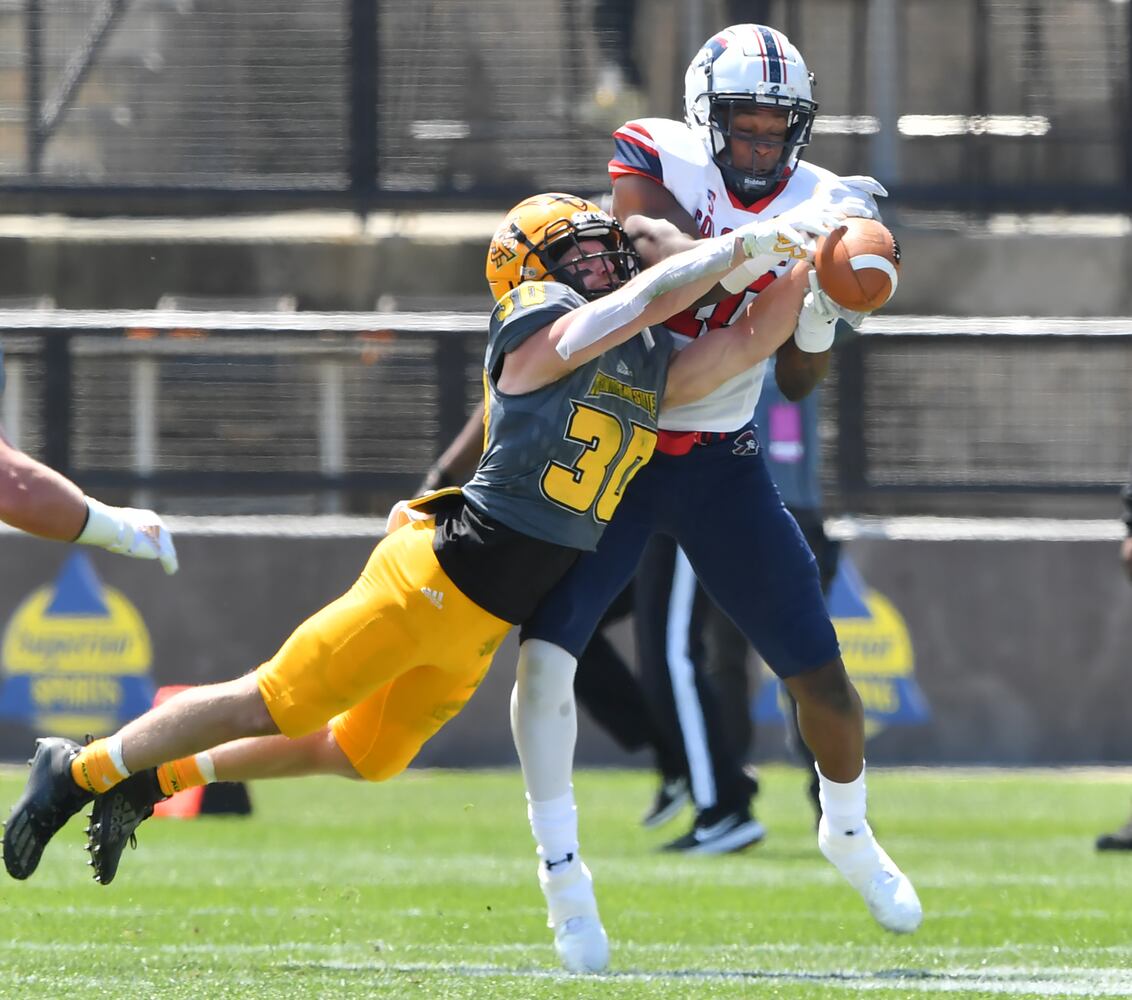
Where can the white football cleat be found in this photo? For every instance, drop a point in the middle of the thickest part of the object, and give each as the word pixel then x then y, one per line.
pixel 579 937
pixel 887 891
pixel 582 945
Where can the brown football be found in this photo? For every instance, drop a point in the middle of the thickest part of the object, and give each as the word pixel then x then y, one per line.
pixel 858 266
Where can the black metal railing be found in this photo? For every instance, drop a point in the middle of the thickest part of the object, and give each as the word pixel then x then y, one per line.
pixel 919 415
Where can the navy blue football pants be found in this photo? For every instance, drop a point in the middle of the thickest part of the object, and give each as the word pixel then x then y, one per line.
pixel 720 505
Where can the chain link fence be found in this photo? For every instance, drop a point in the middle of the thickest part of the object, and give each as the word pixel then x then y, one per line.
pixel 966 104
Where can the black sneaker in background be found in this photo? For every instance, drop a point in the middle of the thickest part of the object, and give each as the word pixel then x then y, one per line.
pixel 1121 840
pixel 719 834
pixel 115 817
pixel 671 797
pixel 50 798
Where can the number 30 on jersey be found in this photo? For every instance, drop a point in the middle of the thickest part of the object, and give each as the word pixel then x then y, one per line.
pixel 530 293
pixel 579 486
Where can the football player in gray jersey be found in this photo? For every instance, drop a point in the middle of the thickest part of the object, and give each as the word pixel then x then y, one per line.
pixel 37 499
pixel 359 686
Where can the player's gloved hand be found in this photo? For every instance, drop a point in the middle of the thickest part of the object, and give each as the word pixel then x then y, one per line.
pixel 817 320
pixel 854 197
pixel 129 531
pixel 792 234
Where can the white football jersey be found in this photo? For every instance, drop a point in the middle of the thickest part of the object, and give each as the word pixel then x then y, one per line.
pixel 670 153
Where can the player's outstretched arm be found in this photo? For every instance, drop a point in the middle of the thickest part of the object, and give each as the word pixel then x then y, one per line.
pixel 41 501
pixel 658 225
pixel 709 361
pixel 585 333
pixel 651 297
pixel 634 195
pixel 37 499
pixel 803 361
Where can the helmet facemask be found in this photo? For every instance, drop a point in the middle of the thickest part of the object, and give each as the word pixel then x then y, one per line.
pixel 749 184
pixel 562 238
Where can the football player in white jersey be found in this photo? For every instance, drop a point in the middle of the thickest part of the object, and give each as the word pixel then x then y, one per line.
pixel 736 159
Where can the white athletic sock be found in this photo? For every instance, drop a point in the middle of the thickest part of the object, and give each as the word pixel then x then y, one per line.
pixel 114 752
pixel 843 803
pixel 555 828
pixel 206 765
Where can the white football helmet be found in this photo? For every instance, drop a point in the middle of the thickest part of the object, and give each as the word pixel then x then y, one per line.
pixel 749 64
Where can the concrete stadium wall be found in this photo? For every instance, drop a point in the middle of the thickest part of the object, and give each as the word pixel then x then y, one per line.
pixel 1021 647
pixel 333 261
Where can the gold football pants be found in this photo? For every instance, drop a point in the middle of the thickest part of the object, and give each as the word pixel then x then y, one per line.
pixel 389 662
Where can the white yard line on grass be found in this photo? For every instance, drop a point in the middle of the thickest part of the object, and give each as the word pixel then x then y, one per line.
pixel 1000 981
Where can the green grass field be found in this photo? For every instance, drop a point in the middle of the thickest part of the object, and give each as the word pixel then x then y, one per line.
pixel 425 887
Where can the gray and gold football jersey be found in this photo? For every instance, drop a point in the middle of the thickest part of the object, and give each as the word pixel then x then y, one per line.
pixel 557 460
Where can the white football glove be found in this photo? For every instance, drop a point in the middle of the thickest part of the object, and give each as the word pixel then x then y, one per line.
pixel 129 531
pixel 792 234
pixel 854 197
pixel 817 320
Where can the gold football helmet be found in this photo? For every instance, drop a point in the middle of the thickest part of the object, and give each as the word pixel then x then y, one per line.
pixel 538 232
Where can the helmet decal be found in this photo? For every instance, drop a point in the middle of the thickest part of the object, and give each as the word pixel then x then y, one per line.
pixel 773 54
pixel 534 241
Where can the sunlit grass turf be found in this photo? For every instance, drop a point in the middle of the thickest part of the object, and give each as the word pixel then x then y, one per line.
pixel 425 887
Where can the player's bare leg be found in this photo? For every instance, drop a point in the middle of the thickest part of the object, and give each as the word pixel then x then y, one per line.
pixel 193 720
pixel 119 812
pixel 64 775
pixel 544 723
pixel 280 756
pixel 832 723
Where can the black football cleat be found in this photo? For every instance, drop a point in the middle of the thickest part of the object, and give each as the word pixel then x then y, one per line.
pixel 50 798
pixel 114 819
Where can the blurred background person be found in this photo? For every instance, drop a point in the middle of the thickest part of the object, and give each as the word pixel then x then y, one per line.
pixel 1121 840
